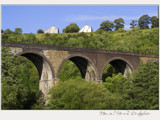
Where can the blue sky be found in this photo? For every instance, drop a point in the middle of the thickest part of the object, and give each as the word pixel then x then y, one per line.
pixel 33 17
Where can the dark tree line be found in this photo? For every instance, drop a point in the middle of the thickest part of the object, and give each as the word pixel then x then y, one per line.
pixel 8 31
pixel 143 23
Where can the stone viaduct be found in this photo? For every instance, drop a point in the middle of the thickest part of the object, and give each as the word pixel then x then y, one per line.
pixel 91 63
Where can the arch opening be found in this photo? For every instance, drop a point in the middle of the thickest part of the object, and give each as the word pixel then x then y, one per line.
pixel 45 70
pixel 116 66
pixel 69 70
pixel 86 68
pixel 37 61
pixel 43 67
pixel 121 66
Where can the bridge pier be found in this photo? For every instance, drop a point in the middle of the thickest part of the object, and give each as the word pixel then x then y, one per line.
pixel 99 81
pixel 44 86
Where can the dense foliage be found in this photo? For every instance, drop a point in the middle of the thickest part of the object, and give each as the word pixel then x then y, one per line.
pixel 80 94
pixel 135 40
pixel 139 90
pixel 107 25
pixel 69 71
pixel 144 22
pixel 8 31
pixel 135 91
pixel 40 31
pixel 119 23
pixel 133 23
pixel 19 82
pixel 108 72
pixel 154 21
pixel 18 31
pixel 71 28
pixel 145 89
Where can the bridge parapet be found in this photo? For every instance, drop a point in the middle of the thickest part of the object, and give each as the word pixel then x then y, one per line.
pixel 81 50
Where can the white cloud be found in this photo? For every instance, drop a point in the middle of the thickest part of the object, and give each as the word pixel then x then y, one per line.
pixel 88 18
pixel 111 18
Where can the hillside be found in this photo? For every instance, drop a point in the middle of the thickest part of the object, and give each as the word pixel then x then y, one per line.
pixel 144 41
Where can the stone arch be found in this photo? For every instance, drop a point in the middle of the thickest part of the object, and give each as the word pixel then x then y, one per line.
pixel 85 65
pixel 45 70
pixel 120 64
pixel 42 64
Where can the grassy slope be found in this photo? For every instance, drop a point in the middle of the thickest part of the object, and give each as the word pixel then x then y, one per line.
pixel 138 41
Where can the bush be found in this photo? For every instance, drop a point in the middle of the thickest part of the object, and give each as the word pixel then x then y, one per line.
pixel 121 30
pixel 71 28
pixel 100 31
pixel 40 31
pixel 80 94
pixel 30 38
pixel 18 31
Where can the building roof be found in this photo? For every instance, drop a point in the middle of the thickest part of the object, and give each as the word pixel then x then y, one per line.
pixel 86 28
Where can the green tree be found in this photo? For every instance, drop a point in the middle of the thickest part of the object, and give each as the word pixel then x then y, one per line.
pixel 80 94
pixel 154 21
pixel 133 23
pixel 99 31
pixel 69 71
pixel 119 23
pixel 8 31
pixel 121 30
pixel 40 31
pixel 71 28
pixel 116 83
pixel 145 90
pixel 107 25
pixel 1 30
pixel 19 89
pixel 108 71
pixel 144 21
pixel 18 30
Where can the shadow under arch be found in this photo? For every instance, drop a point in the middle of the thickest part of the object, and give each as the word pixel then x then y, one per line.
pixel 86 66
pixel 120 64
pixel 40 61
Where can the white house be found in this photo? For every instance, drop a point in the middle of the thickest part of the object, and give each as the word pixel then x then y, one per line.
pixel 86 28
pixel 52 29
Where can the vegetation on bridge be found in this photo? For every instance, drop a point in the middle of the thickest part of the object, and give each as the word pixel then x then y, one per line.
pixel 137 40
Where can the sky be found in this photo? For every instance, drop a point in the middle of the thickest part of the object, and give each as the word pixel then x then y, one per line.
pixel 33 17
